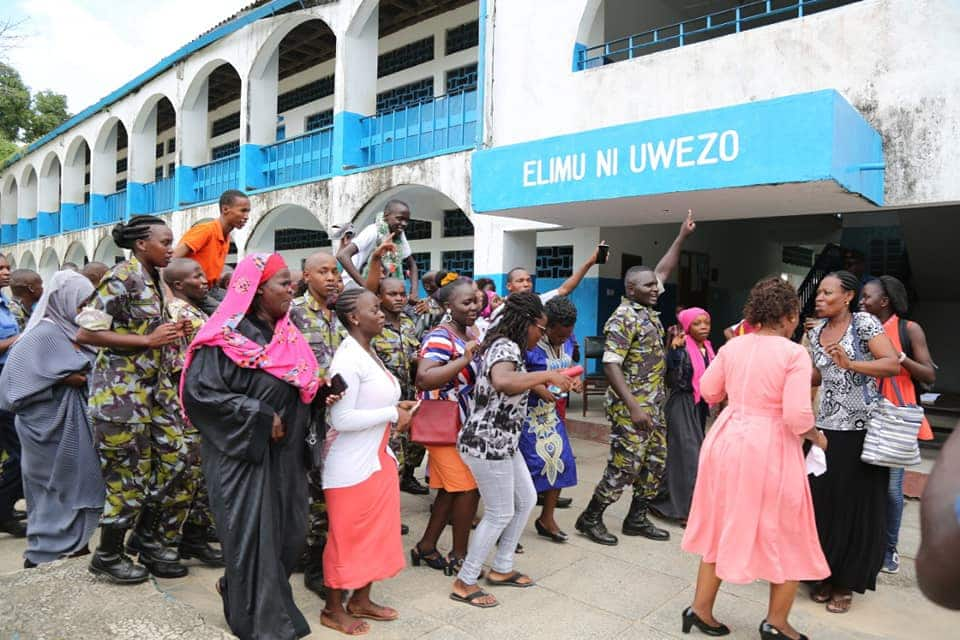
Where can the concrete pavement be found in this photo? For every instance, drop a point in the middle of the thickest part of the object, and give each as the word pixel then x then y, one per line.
pixel 634 591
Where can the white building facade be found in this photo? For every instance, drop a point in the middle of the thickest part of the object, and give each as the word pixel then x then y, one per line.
pixel 523 132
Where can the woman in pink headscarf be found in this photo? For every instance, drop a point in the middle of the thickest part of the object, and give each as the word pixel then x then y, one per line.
pixel 686 412
pixel 248 383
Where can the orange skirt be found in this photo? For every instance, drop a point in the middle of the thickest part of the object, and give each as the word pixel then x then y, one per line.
pixel 448 471
pixel 364 544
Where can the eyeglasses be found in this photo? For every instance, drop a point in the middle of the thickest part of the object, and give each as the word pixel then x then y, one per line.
pixel 542 328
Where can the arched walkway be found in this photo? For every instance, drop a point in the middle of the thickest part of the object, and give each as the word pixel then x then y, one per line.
pixel 108 252
pixel 76 253
pixel 49 263
pixel 27 261
pixel 9 195
pixel 153 152
pixel 290 230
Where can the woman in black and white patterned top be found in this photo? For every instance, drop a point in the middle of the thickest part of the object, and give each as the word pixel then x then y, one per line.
pixel 489 445
pixel 850 351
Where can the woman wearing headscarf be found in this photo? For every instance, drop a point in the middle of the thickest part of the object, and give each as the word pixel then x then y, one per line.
pixel 249 379
pixel 45 384
pixel 686 411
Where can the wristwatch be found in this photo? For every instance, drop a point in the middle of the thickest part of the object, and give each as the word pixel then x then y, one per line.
pixel 903 356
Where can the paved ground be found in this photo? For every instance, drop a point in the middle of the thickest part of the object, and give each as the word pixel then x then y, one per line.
pixel 633 591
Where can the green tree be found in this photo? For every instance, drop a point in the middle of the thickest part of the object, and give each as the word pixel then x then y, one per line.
pixel 15 113
pixel 49 112
pixel 7 148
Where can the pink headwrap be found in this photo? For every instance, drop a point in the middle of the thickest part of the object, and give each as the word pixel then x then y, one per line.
pixel 686 318
pixel 288 356
pixel 488 308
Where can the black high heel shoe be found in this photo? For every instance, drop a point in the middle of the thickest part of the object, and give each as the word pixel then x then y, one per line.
pixel 433 559
pixel 691 619
pixel 559 536
pixel 770 632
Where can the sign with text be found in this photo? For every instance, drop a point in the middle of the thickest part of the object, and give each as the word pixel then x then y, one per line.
pixel 802 138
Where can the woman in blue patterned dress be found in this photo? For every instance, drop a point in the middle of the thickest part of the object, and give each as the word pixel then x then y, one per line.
pixel 544 442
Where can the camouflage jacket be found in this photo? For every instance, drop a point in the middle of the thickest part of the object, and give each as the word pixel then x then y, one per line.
pixel 398 350
pixel 19 313
pixel 174 354
pixel 123 382
pixel 633 338
pixel 323 335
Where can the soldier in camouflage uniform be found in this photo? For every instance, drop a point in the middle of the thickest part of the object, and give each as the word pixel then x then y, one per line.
pixel 26 287
pixel 320 326
pixel 126 319
pixel 634 362
pixel 398 347
pixel 181 491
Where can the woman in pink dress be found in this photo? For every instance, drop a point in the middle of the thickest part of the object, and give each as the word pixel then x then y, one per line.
pixel 752 515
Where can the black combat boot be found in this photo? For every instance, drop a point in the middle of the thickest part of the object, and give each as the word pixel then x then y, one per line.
pixel 110 562
pixel 409 484
pixel 155 555
pixel 638 524
pixel 590 524
pixel 194 545
pixel 143 539
pixel 313 571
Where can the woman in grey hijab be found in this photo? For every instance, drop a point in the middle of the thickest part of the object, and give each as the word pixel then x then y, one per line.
pixel 44 383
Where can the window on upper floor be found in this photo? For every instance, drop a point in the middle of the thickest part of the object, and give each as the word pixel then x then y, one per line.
pixel 120 185
pixel 158 173
pixel 305 94
pixel 225 124
pixel 405 57
pixel 405 95
pixel 171 145
pixel 456 224
pixel 159 151
pixel 290 239
pixel 462 78
pixel 121 165
pixel 418 230
pixel 225 150
pixel 319 120
pixel 462 37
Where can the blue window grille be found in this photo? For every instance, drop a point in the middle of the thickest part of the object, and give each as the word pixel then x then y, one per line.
pixel 436 125
pixel 418 230
pixel 281 132
pixel 319 120
pixel 462 78
pixel 459 261
pixel 76 216
pixel 225 150
pixel 160 195
pixel 48 224
pixel 298 159
pixel 225 124
pixel 404 57
pixel 8 234
pixel 26 229
pixel 291 239
pixel 116 207
pixel 463 37
pixel 213 178
pixel 456 224
pixel 555 262
pixel 746 16
pixel 423 262
pixel 405 95
pixel 306 94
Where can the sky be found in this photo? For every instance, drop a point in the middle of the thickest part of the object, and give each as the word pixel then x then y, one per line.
pixel 86 49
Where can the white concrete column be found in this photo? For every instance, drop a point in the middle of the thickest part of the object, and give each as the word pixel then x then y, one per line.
pixel 192 131
pixel 355 87
pixel 103 164
pixel 49 193
pixel 258 100
pixel 27 206
pixel 141 153
pixel 73 172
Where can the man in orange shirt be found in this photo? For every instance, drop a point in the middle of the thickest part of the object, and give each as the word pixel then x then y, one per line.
pixel 209 242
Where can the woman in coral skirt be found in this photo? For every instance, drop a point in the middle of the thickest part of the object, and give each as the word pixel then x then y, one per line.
pixel 752 515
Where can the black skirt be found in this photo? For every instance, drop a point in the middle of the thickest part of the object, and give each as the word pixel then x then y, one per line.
pixel 850 502
pixel 686 420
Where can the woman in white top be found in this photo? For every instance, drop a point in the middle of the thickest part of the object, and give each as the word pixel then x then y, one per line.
pixel 360 473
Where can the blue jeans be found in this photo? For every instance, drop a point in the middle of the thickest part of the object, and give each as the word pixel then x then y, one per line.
pixel 894 508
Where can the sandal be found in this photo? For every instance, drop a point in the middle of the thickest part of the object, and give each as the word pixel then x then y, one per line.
pixel 513 580
pixel 358 628
pixel 470 597
pixel 840 603
pixel 821 593
pixel 433 559
pixel 372 616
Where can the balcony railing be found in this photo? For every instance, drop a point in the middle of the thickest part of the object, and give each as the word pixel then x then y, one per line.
pixel 159 195
pixel 713 25
pixel 298 159
pixel 212 179
pixel 26 229
pixel 430 126
pixel 75 216
pixel 48 223
pixel 113 210
pixel 8 234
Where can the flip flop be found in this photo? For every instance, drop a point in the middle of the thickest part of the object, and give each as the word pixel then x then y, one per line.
pixel 353 630
pixel 840 604
pixel 513 580
pixel 822 593
pixel 469 599
pixel 373 616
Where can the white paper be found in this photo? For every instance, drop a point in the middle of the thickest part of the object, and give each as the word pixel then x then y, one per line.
pixel 929 397
pixel 816 461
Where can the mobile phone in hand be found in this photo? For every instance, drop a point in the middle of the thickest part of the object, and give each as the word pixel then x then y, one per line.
pixel 603 252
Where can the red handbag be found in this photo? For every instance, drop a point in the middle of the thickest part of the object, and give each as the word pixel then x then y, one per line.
pixel 436 422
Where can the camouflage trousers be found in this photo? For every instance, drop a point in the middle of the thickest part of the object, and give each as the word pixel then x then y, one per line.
pixel 140 463
pixel 318 523
pixel 185 498
pixel 637 458
pixel 409 454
